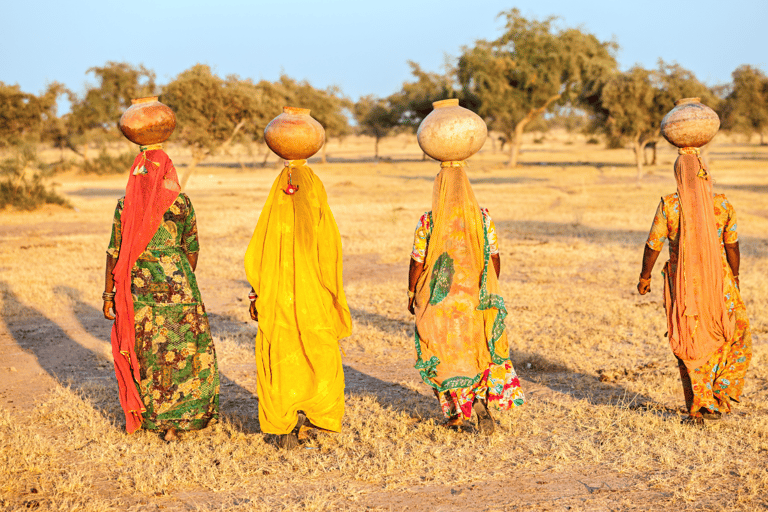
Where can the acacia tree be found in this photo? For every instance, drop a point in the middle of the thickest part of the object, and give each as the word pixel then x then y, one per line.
pixel 529 69
pixel 413 102
pixel 745 109
pixel 632 104
pixel 96 114
pixel 20 115
pixel 374 118
pixel 328 106
pixel 212 112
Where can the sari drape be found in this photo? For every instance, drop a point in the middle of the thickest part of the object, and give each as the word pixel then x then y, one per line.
pixel 459 309
pixel 152 188
pixel 294 264
pixel 697 316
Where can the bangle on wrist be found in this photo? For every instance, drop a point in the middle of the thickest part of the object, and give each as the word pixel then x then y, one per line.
pixel 411 294
pixel 252 296
pixel 108 296
pixel 644 280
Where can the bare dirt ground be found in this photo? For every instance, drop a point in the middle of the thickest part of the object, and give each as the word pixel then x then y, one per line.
pixel 601 429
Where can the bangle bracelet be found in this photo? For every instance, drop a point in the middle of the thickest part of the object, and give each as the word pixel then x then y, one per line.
pixel 252 296
pixel 411 294
pixel 644 280
pixel 108 296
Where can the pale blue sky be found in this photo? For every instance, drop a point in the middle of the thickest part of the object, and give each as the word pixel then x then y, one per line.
pixel 361 46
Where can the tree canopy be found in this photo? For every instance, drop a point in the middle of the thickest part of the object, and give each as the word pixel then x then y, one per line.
pixel 374 118
pixel 633 103
pixel 745 109
pixel 530 68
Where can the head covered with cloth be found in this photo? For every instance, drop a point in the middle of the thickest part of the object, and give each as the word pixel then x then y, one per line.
pixel 294 264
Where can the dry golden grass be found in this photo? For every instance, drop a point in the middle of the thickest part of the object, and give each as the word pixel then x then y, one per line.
pixel 601 429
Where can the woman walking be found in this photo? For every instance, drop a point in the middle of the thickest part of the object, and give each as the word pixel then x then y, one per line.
pixel 164 356
pixel 461 344
pixel 294 265
pixel 707 321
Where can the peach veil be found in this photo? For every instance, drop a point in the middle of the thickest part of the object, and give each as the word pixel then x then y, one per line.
pixel 459 309
pixel 697 316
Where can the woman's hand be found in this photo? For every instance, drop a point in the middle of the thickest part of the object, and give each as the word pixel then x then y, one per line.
pixel 253 312
pixel 109 305
pixel 644 286
pixel 411 305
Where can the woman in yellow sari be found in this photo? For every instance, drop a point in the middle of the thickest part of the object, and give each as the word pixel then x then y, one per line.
pixel 294 265
pixel 461 345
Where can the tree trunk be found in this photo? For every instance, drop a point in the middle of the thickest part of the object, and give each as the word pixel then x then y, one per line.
pixel 376 151
pixel 197 157
pixel 638 146
pixel 514 150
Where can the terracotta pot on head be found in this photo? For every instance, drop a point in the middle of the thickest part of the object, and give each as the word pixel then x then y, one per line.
pixel 294 134
pixel 147 121
pixel 690 124
pixel 451 132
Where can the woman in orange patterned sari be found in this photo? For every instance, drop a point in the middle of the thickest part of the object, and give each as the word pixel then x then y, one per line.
pixel 461 345
pixel 708 327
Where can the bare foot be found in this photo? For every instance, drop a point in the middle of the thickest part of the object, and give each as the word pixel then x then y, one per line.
pixel 484 421
pixel 455 423
pixel 170 435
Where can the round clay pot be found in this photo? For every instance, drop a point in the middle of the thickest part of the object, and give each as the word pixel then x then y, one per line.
pixel 147 121
pixel 294 134
pixel 690 124
pixel 451 132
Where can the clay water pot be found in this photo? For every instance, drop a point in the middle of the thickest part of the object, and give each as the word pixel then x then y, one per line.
pixel 147 121
pixel 294 134
pixel 451 132
pixel 690 124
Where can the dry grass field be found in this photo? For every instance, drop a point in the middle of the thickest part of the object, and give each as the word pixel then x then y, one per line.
pixel 601 429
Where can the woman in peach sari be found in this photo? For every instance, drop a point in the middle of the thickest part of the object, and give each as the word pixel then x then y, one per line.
pixel 707 322
pixel 461 344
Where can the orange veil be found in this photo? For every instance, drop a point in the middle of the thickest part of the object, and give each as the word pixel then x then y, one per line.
pixel 697 316
pixel 459 309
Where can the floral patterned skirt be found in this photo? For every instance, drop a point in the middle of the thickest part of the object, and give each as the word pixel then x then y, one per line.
pixel 179 375
pixel 721 379
pixel 499 385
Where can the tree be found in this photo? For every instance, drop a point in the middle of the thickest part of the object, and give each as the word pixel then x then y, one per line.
pixel 633 103
pixel 745 109
pixel 102 105
pixel 529 69
pixel 23 116
pixel 374 118
pixel 329 107
pixel 212 112
pixel 414 101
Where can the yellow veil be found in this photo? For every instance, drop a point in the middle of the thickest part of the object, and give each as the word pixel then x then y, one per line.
pixel 294 264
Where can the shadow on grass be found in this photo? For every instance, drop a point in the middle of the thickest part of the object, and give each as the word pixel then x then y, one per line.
pixel 562 231
pixel 87 371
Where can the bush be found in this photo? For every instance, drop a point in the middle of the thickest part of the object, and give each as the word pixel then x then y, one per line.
pixel 21 184
pixel 105 163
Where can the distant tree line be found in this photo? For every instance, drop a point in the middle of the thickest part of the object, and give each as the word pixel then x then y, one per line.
pixel 534 74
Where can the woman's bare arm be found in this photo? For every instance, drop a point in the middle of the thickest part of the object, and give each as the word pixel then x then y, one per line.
pixel 414 271
pixel 649 260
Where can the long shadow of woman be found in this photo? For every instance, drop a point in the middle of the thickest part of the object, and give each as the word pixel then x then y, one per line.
pixel 65 359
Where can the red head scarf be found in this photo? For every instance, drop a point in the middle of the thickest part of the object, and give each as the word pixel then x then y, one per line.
pixel 152 188
pixel 699 323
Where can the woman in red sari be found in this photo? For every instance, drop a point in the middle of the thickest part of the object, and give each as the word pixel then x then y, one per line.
pixel 164 356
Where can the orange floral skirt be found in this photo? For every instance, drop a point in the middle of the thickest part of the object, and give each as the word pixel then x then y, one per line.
pixel 720 380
